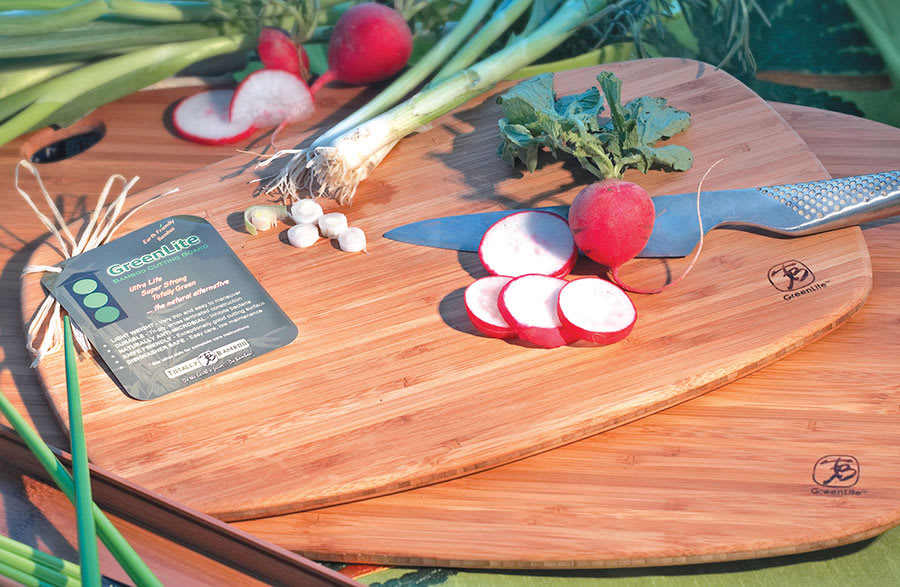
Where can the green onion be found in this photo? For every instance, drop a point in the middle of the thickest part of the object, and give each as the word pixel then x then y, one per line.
pixel 33 567
pixel 334 167
pixel 112 48
pixel 412 77
pixel 38 557
pixel 87 533
pixel 129 560
pixel 38 105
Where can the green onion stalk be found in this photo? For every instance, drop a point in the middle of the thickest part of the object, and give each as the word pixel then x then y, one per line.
pixel 103 82
pixel 124 554
pixel 30 566
pixel 101 50
pixel 403 85
pixel 335 168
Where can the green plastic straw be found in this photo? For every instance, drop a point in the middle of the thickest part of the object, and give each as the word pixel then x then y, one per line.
pixel 87 532
pixel 129 560
pixel 39 557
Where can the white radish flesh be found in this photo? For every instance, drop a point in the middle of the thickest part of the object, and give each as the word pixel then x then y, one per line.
pixel 303 235
pixel 306 211
pixel 203 118
pixel 271 97
pixel 481 305
pixel 597 310
pixel 529 304
pixel 528 242
pixel 331 225
pixel 352 240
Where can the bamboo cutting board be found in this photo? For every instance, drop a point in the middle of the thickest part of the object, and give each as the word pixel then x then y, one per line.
pixel 388 387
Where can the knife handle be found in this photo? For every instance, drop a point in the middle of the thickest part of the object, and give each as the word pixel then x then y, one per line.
pixel 836 203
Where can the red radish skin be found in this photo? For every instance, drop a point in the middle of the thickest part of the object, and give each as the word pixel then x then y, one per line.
pixel 277 50
pixel 481 305
pixel 203 118
pixel 597 310
pixel 529 304
pixel 528 242
pixel 369 43
pixel 611 221
pixel 270 97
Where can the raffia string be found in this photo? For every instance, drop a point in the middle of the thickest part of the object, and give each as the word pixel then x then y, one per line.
pixel 44 335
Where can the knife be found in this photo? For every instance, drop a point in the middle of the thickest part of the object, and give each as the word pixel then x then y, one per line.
pixel 796 209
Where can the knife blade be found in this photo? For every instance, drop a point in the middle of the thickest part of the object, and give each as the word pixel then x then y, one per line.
pixel 796 209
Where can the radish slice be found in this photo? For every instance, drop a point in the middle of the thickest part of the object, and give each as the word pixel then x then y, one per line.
pixel 481 306
pixel 203 118
pixel 529 242
pixel 270 97
pixel 597 310
pixel 529 304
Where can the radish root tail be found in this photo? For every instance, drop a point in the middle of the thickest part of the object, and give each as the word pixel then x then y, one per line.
pixel 614 272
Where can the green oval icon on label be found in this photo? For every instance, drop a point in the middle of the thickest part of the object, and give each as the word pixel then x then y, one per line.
pixel 97 299
pixel 84 286
pixel 107 314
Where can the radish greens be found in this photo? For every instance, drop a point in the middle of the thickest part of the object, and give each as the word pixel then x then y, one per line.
pixel 536 120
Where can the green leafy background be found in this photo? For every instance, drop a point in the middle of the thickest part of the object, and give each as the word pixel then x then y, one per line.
pixel 818 38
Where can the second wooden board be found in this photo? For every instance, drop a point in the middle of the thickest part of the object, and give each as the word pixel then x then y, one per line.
pixel 389 387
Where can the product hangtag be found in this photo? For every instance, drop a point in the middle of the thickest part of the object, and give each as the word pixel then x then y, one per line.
pixel 169 305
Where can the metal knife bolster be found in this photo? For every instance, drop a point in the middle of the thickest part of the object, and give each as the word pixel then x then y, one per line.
pixel 818 206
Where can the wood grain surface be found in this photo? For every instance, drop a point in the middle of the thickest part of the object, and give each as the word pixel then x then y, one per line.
pixel 180 546
pixel 726 476
pixel 388 387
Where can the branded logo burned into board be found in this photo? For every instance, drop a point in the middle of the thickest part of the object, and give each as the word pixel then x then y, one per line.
pixel 96 301
pixel 836 475
pixel 794 278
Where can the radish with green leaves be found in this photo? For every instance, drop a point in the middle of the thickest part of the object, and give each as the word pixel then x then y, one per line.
pixel 369 43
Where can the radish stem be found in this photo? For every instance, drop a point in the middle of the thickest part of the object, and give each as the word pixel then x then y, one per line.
pixel 614 272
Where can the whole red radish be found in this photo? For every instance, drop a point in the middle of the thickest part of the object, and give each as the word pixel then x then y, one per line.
pixel 370 42
pixel 277 50
pixel 529 304
pixel 611 221
pixel 597 310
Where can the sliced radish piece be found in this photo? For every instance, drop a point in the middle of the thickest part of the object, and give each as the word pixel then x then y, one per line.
pixel 277 50
pixel 529 304
pixel 529 242
pixel 203 118
pixel 271 97
pixel 597 310
pixel 481 306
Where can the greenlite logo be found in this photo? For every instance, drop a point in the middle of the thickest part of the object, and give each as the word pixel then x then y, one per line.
pixel 95 299
pixel 161 253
